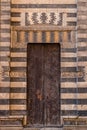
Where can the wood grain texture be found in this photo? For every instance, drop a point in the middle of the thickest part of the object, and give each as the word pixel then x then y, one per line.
pixel 43 84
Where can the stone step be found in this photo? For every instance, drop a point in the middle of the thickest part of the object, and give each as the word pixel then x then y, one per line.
pixel 21 128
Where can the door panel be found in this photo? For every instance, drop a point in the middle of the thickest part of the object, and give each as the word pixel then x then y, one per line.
pixel 43 84
pixel 51 84
pixel 35 84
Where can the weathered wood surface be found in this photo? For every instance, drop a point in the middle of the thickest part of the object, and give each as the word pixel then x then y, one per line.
pixel 43 84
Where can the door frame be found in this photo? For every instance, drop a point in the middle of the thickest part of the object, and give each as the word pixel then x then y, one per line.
pixel 43 27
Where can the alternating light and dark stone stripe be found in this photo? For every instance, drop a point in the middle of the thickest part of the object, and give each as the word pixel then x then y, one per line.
pixel 82 54
pixel 68 49
pixel 18 62
pixel 73 75
pixel 44 6
pixel 4 56
pixel 23 14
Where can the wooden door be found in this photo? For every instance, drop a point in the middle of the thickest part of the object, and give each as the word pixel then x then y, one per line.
pixel 43 84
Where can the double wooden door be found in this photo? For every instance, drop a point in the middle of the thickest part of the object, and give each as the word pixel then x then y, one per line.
pixel 43 84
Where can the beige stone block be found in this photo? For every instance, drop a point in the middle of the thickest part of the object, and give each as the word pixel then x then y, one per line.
pixel 68 54
pixel 11 128
pixel 68 95
pixel 17 64
pixel 62 10
pixel 5 35
pixel 18 107
pixel 82 44
pixel 67 64
pixel 82 84
pixel 4 95
pixel 22 37
pixel 18 74
pixel 82 9
pixel 68 75
pixel 82 17
pixel 82 107
pixel 7 26
pixel 22 54
pixel 6 9
pixel 56 36
pixel 82 35
pixel 15 19
pixel 5 63
pixel 18 84
pixel 82 1
pixel 6 53
pixel 76 127
pixel 69 107
pixel 39 36
pixel 4 84
pixel 14 38
pixel 22 19
pixel 64 19
pixel 19 44
pixel 65 36
pixel 5 44
pixel 50 128
pixel 73 107
pixel 82 53
pixel 67 45
pixel 82 26
pixel 73 19
pixel 68 85
pixel 5 17
pixel 31 36
pixel 18 95
pixel 82 96
pixel 5 1
pixel 82 63
pixel 4 107
pixel 73 96
pixel 43 2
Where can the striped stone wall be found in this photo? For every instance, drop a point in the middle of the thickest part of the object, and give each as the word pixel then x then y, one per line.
pixel 27 23
pixel 43 21
pixel 82 56
pixel 59 12
pixel 4 56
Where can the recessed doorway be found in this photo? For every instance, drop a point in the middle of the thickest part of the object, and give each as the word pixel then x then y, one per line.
pixel 43 84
